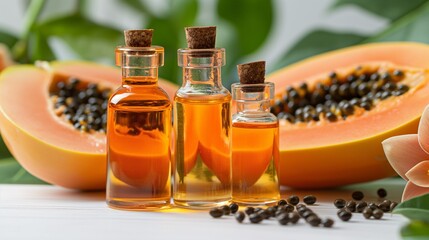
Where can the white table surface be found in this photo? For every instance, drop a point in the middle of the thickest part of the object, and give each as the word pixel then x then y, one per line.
pixel 49 212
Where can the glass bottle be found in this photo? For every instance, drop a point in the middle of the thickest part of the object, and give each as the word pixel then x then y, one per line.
pixel 138 133
pixel 255 145
pixel 202 124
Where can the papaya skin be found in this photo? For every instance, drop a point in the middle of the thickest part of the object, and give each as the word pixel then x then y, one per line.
pixel 348 160
pixel 43 144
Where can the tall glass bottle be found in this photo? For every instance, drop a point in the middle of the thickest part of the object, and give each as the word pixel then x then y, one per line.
pixel 202 123
pixel 138 133
pixel 255 145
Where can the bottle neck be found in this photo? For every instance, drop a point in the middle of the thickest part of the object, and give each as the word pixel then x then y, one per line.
pixel 139 65
pixel 202 78
pixel 139 76
pixel 251 107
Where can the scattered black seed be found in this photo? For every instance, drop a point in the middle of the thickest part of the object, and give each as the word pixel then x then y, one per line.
pixel 294 217
pixel 281 202
pixel 377 213
pixel 306 214
pixel 357 195
pixel 360 206
pixel 255 218
pixel 265 214
pixel 367 213
pixel 381 192
pixel 344 215
pixel 373 206
pixel 328 222
pixel 226 210
pixel 288 208
pixel 314 220
pixel 239 216
pixel 249 210
pixel 272 211
pixel 293 200
pixel 340 203
pixel 332 75
pixel 310 199
pixel 385 205
pixel 233 207
pixel 216 212
pixel 283 218
pixel 351 206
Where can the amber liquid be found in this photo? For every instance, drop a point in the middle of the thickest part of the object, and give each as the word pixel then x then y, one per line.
pixel 138 132
pixel 202 175
pixel 255 155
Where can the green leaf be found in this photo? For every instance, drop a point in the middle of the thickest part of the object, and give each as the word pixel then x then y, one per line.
pixel 245 27
pixel 12 172
pixel 8 39
pixel 415 230
pixel 415 209
pixel 392 9
pixel 170 33
pixel 90 40
pixel 39 48
pixel 411 27
pixel 316 42
pixel 4 152
pixel 251 19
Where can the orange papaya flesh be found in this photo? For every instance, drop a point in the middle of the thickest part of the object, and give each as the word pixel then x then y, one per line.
pixel 328 154
pixel 44 144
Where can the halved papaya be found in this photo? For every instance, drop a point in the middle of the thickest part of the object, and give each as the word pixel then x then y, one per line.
pixel 45 145
pixel 327 154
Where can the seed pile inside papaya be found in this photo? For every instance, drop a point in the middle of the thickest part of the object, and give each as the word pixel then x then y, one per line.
pixel 339 96
pixel 81 104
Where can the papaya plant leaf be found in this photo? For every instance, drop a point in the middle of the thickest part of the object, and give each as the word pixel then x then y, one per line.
pixel 39 48
pixel 4 152
pixel 416 230
pixel 12 172
pixel 392 9
pixel 89 40
pixel 412 27
pixel 316 42
pixel 8 39
pixel 415 209
pixel 251 19
pixel 408 26
pixel 246 26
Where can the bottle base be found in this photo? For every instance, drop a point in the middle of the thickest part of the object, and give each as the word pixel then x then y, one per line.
pixel 196 204
pixel 255 202
pixel 138 204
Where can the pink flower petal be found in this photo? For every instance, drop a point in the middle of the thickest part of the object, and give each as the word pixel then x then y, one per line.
pixel 419 174
pixel 403 153
pixel 424 130
pixel 411 190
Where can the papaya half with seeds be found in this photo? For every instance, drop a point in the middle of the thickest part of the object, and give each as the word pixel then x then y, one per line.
pixel 44 143
pixel 335 109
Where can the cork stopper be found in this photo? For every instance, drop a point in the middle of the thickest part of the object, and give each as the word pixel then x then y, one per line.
pixel 201 37
pixel 138 38
pixel 252 73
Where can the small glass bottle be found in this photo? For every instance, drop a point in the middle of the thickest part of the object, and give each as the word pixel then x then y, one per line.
pixel 202 123
pixel 138 133
pixel 255 145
